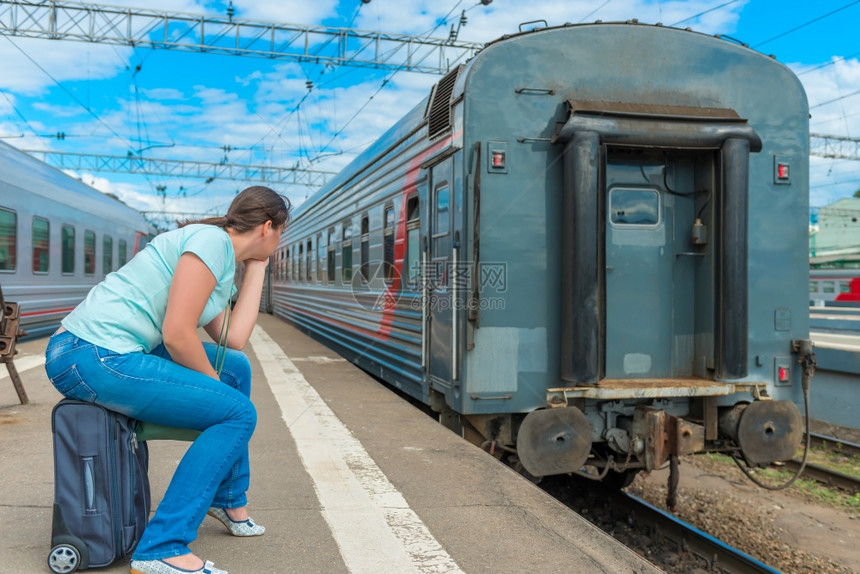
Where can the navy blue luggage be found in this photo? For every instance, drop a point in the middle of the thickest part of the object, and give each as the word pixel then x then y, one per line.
pixel 101 487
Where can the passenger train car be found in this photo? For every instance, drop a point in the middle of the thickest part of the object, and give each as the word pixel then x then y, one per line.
pixel 58 238
pixel 832 285
pixel 585 248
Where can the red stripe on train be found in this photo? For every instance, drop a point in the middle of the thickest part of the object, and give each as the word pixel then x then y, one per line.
pixel 390 297
pixel 48 312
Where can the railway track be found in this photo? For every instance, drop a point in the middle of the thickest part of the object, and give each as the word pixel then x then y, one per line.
pixel 615 511
pixel 715 554
pixel 827 476
pixel 835 444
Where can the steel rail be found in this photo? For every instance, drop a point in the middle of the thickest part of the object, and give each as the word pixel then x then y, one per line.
pixel 826 476
pixel 712 552
pixel 835 444
pixel 719 556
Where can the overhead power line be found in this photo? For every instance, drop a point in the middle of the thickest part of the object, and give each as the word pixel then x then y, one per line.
pixel 807 23
pixel 723 5
pixel 59 20
pixel 828 146
pixel 183 168
pixel 851 95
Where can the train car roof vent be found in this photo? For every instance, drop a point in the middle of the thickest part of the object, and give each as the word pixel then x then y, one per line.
pixel 440 107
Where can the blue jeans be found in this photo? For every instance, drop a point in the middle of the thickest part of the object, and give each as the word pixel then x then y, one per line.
pixel 151 387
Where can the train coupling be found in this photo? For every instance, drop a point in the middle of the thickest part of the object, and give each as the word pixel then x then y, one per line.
pixel 665 435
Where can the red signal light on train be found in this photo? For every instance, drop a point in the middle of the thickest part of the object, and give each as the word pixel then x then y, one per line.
pixel 784 374
pixel 499 159
pixel 782 171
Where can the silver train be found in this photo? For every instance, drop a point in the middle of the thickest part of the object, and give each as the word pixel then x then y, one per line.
pixel 585 248
pixel 58 238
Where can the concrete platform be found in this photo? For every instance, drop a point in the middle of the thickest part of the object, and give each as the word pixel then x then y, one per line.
pixel 346 476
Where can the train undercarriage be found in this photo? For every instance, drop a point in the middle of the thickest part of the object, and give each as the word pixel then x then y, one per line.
pixel 643 436
pixel 612 431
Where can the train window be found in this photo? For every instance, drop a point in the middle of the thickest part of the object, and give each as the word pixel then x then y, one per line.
pixel 41 244
pixel 142 240
pixel 634 206
pixel 286 269
pixel 89 252
pixel 122 253
pixel 291 268
pixel 388 244
pixel 844 287
pixel 442 216
pixel 413 263
pixel 8 239
pixel 320 258
pixel 332 243
pixel 346 250
pixel 107 254
pixel 813 286
pixel 68 245
pixel 827 286
pixel 363 271
pixel 308 269
pixel 300 261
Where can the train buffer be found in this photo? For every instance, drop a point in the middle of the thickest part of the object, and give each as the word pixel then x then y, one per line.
pixel 10 315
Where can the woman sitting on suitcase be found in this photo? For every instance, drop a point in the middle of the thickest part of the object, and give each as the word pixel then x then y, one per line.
pixel 132 347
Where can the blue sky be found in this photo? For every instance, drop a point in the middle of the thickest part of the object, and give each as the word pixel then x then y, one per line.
pixel 188 106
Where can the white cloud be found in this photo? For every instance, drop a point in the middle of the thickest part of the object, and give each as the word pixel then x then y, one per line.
pixel 832 179
pixel 55 61
pixel 164 94
pixel 286 11
pixel 68 111
pixel 485 23
pixel 832 84
pixel 214 101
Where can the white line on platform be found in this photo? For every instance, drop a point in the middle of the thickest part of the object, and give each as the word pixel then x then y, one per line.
pixel 23 363
pixel 371 522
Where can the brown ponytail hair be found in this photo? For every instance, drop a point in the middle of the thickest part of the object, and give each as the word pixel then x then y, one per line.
pixel 251 207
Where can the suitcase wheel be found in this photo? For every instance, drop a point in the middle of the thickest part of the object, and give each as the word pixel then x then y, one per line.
pixel 64 558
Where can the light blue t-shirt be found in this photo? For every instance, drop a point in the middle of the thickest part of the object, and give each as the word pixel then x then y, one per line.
pixel 125 312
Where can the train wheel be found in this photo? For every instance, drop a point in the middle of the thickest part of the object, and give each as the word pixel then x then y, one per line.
pixel 64 558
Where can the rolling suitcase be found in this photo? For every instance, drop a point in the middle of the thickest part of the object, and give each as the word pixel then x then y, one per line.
pixel 101 487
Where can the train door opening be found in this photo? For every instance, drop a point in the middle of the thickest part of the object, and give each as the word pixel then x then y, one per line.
pixel 650 263
pixel 626 170
pixel 437 274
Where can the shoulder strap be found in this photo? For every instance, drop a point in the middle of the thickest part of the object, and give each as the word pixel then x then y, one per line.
pixel 221 350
